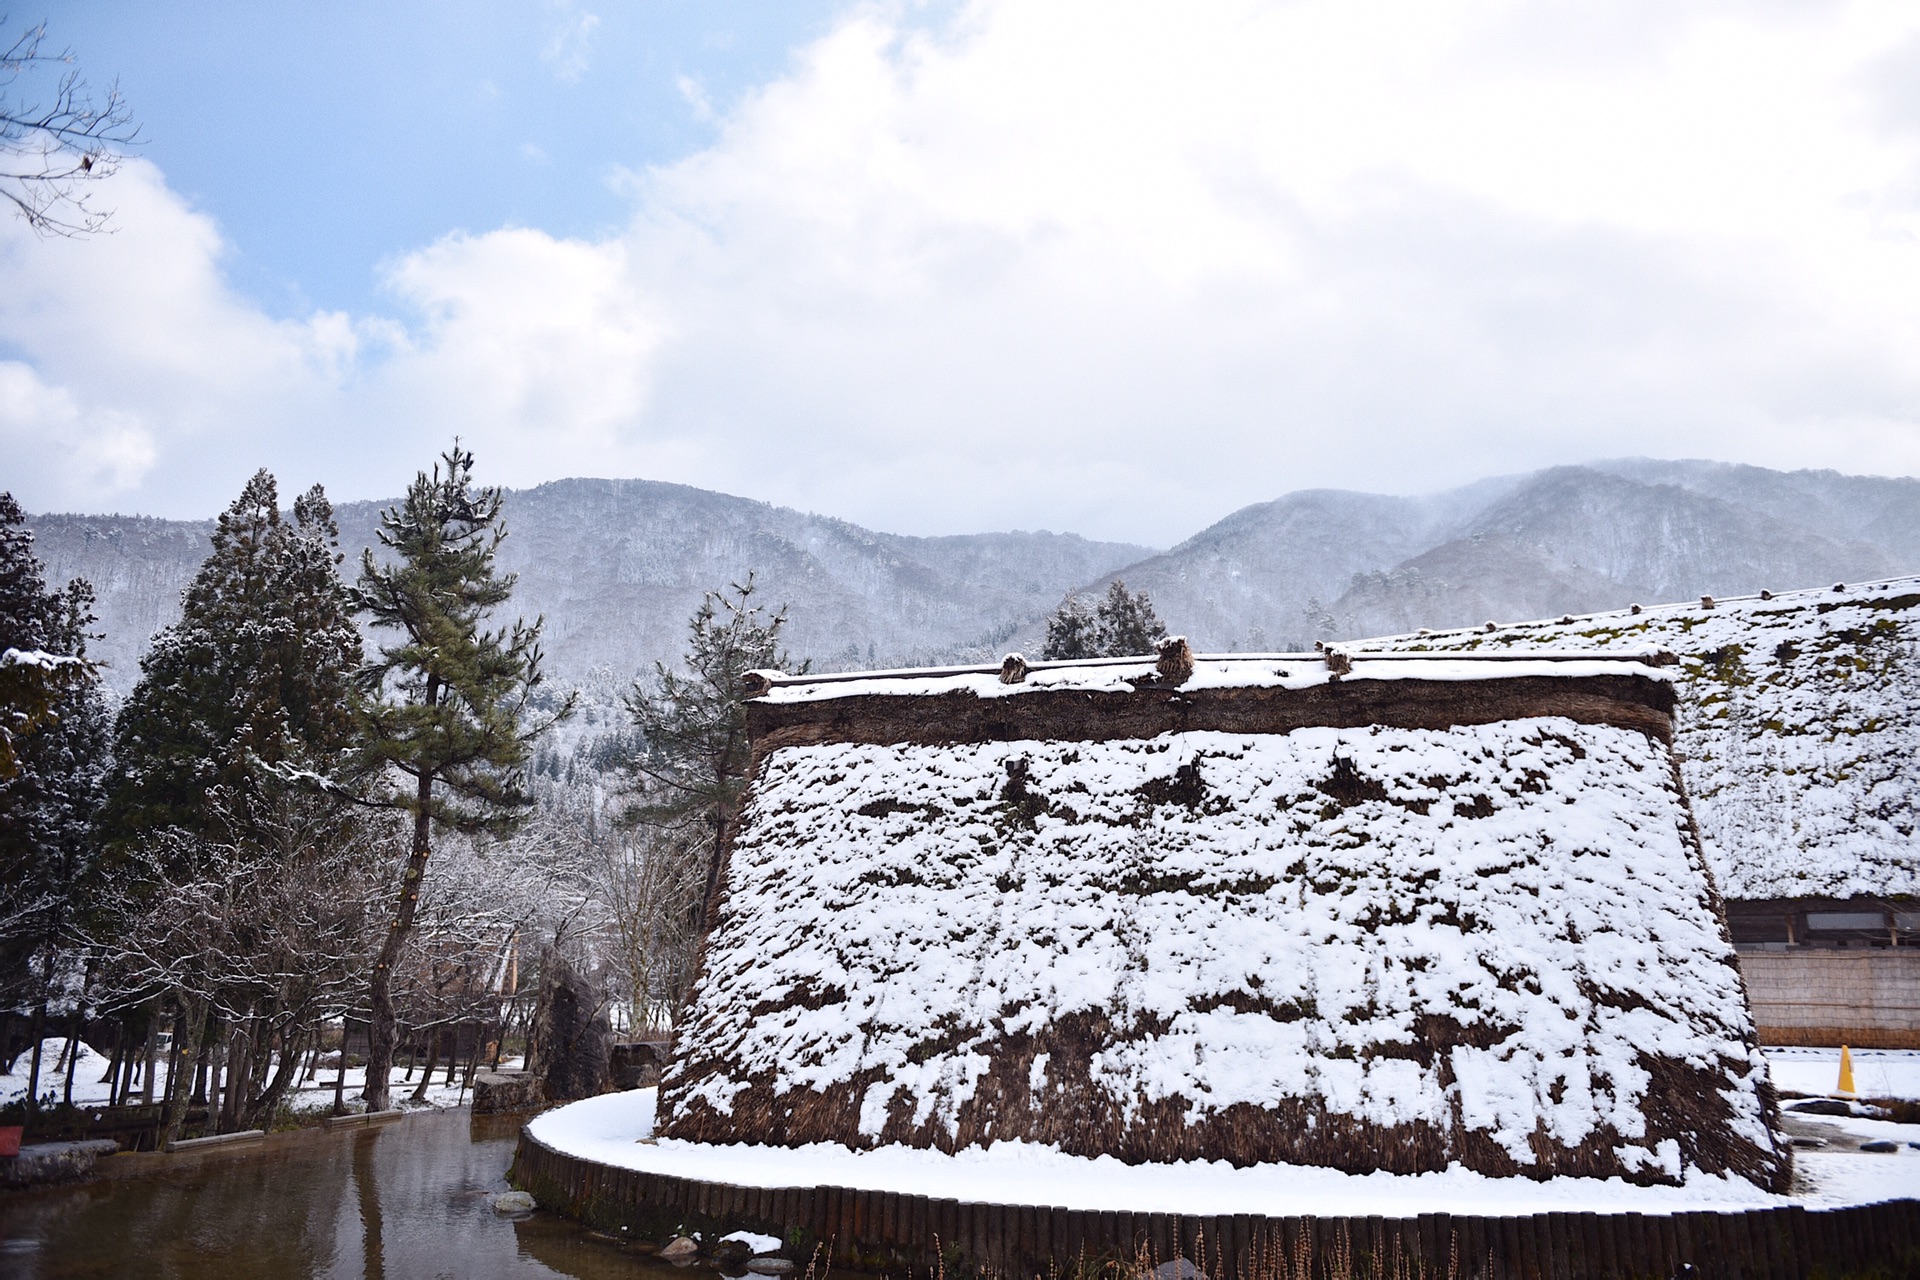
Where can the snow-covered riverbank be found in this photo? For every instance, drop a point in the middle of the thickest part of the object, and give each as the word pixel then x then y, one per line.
pixel 92 1090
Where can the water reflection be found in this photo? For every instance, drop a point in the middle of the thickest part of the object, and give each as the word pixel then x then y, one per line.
pixel 413 1199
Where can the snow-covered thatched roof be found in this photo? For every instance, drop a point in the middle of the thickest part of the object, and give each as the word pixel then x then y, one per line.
pixel 1420 914
pixel 1798 727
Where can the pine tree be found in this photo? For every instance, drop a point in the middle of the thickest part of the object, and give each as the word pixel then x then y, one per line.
pixel 694 753
pixel 449 704
pixel 51 790
pixel 1071 631
pixel 1127 623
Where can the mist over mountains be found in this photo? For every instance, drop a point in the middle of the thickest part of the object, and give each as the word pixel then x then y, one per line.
pixel 616 566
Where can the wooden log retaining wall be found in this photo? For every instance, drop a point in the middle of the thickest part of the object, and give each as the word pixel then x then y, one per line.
pixel 889 1231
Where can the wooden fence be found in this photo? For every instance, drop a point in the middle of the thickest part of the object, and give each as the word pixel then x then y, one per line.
pixel 887 1231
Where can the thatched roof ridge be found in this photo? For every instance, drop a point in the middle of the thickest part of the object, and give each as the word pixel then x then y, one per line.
pixel 1119 698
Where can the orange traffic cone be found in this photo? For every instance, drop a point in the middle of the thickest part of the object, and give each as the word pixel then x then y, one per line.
pixel 1846 1073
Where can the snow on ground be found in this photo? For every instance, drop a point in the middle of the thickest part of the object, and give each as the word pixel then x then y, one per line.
pixel 88 1088
pixel 315 1094
pixel 1877 1073
pixel 613 1129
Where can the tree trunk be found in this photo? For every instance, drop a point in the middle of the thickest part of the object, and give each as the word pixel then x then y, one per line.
pixel 216 1053
pixel 129 1059
pixel 188 1031
pixel 233 1096
pixel 173 1041
pixel 200 1058
pixel 39 1029
pixel 433 1060
pixel 340 1077
pixel 380 1026
pixel 153 1051
pixel 74 1027
pixel 286 1071
pixel 112 1078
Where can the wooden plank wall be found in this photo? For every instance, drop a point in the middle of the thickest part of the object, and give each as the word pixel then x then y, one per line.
pixel 896 1233
pixel 1867 998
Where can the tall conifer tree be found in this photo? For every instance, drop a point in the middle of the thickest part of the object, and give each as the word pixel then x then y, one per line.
pixel 259 671
pixel 447 698
pixel 51 791
pixel 694 754
pixel 241 704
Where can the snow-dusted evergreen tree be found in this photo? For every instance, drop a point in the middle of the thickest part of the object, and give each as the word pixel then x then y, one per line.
pixel 1127 622
pixel 692 763
pixel 254 682
pixel 1121 625
pixel 1072 631
pixel 447 717
pixel 236 732
pixel 50 794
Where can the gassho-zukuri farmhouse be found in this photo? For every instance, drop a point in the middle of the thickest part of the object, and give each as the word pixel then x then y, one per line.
pixel 1358 911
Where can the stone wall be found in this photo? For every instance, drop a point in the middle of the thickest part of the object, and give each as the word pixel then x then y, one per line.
pixel 1866 998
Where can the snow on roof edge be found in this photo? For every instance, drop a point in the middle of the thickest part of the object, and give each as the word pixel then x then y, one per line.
pixel 1800 595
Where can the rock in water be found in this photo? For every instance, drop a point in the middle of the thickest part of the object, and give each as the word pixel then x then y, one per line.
pixel 42 1163
pixel 569 1045
pixel 771 1266
pixel 679 1247
pixel 497 1091
pixel 732 1252
pixel 513 1202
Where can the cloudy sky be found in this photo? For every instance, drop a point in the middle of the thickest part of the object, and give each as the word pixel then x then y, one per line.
pixel 936 268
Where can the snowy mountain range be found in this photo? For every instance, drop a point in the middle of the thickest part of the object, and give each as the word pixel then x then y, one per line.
pixel 616 566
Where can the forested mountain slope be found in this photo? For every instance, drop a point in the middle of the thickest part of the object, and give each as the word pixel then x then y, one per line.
pixel 617 565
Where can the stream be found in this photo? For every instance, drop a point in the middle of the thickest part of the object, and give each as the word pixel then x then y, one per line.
pixel 404 1200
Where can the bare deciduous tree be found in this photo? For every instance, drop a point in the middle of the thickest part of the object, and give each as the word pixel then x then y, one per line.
pixel 255 937
pixel 53 147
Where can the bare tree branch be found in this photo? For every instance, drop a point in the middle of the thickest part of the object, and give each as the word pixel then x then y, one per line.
pixel 52 149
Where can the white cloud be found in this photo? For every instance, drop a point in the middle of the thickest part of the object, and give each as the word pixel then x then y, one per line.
pixel 83 455
pixel 568 52
pixel 696 96
pixel 1075 265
